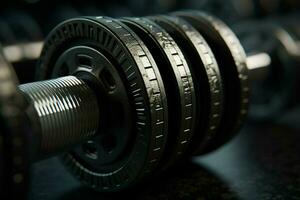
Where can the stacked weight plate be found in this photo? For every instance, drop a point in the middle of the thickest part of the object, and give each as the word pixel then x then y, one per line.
pixel 174 86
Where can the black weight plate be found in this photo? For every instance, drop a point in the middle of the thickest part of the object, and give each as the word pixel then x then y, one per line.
pixel 145 90
pixel 89 64
pixel 178 81
pixel 206 76
pixel 232 63
pixel 6 33
pixel 14 166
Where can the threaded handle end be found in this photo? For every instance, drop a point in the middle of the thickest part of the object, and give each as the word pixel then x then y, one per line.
pixel 67 113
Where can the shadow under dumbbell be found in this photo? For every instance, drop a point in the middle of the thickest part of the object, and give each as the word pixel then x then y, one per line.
pixel 263 162
pixel 190 181
pixel 260 163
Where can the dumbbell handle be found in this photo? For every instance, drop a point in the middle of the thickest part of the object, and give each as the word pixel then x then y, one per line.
pixel 258 65
pixel 63 112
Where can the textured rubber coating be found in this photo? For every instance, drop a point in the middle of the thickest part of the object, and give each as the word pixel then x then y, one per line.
pixel 144 87
pixel 206 76
pixel 179 85
pixel 232 63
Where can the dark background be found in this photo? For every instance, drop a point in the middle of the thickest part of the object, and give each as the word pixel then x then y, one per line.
pixel 262 162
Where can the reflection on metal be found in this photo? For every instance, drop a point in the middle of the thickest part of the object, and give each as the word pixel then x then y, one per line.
pixel 258 65
pixel 67 113
pixel 23 51
pixel 289 43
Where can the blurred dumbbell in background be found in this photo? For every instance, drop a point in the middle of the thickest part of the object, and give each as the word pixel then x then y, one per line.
pixel 236 10
pixel 275 92
pixel 21 38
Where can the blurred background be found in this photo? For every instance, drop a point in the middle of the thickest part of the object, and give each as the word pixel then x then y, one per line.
pixel 23 21
pixel 262 162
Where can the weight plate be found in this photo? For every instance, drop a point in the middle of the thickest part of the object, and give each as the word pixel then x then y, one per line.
pixel 14 166
pixel 232 63
pixel 178 81
pixel 144 88
pixel 206 76
pixel 88 63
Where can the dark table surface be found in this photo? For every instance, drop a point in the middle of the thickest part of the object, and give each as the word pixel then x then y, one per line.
pixel 261 163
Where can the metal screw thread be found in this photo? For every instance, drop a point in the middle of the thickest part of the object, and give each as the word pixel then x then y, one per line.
pixel 67 113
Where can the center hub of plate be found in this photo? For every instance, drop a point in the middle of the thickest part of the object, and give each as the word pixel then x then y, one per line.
pixel 102 75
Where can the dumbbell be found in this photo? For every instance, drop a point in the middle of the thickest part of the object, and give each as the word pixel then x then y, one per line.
pixel 125 98
pixel 274 93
